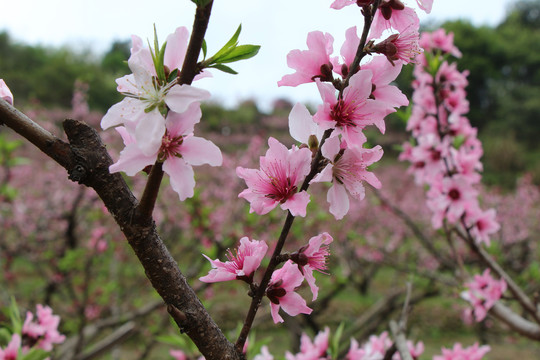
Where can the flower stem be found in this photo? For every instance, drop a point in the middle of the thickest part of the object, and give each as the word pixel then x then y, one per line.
pixel 187 74
pixel 151 190
pixel 276 258
pixel 369 13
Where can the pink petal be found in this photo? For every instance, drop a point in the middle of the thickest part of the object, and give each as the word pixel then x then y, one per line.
pixel 184 123
pixel 326 175
pixel 301 124
pixel 339 201
pixel 293 304
pixel 129 110
pixel 5 93
pixel 308 274
pixel 297 204
pixel 132 160
pixel 350 46
pixel 175 50
pixel 331 148
pixel 197 151
pixel 274 309
pixel 149 132
pixel 181 175
pixel 180 97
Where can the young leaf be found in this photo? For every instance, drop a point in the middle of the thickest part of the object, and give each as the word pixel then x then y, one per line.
pixel 229 46
pixel 224 68
pixel 204 49
pixel 5 336
pixel 241 52
pixel 15 316
pixel 35 354
pixel 335 341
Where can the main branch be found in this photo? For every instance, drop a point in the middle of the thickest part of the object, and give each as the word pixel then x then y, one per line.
pixel 87 162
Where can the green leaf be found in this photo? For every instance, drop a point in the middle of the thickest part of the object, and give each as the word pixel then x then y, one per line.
pixel 35 354
pixel 224 68
pixel 234 39
pixel 229 46
pixel 204 49
pixel 334 348
pixel 173 340
pixel 15 316
pixel 458 141
pixel 172 75
pixel 241 52
pixel 5 337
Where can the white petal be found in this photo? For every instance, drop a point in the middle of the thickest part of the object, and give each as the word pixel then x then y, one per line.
pixel 180 97
pixel 301 124
pixel 149 132
pixel 197 151
pixel 181 175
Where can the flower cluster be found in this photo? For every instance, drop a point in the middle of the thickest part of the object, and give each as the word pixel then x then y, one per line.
pixel 41 333
pixel 158 115
pixel 446 152
pixel 473 352
pixel 318 349
pixel 376 347
pixel 353 97
pixel 482 293
pixel 243 263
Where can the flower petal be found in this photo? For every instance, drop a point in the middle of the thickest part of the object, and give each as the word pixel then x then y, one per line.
pixel 182 177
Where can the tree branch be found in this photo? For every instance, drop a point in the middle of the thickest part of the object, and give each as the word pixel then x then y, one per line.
pixel 87 162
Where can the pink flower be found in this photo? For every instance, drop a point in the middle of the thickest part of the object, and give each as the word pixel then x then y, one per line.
pixel 483 292
pixel 374 348
pixel 403 46
pixel 178 354
pixel 352 113
pixel 384 74
pixel 281 293
pixel 312 63
pixel 45 331
pixel 393 15
pixel 347 170
pixel 438 39
pixel 449 198
pixel 264 355
pixel 340 4
pixel 146 96
pixel 348 51
pixel 241 265
pixel 11 352
pixel 313 257
pixel 302 127
pixel 316 350
pixel 179 151
pixel 425 5
pixel 5 93
pixel 473 352
pixel 277 182
pixel 483 224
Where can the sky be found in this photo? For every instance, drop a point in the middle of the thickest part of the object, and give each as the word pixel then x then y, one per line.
pixel 278 26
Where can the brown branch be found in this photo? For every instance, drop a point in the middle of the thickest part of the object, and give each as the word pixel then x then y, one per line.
pixel 87 162
pixel 400 340
pixel 200 24
pixel 426 243
pixel 514 288
pixel 515 322
pixel 189 70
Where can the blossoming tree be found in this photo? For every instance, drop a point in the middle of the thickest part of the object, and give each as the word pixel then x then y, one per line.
pixel 156 121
